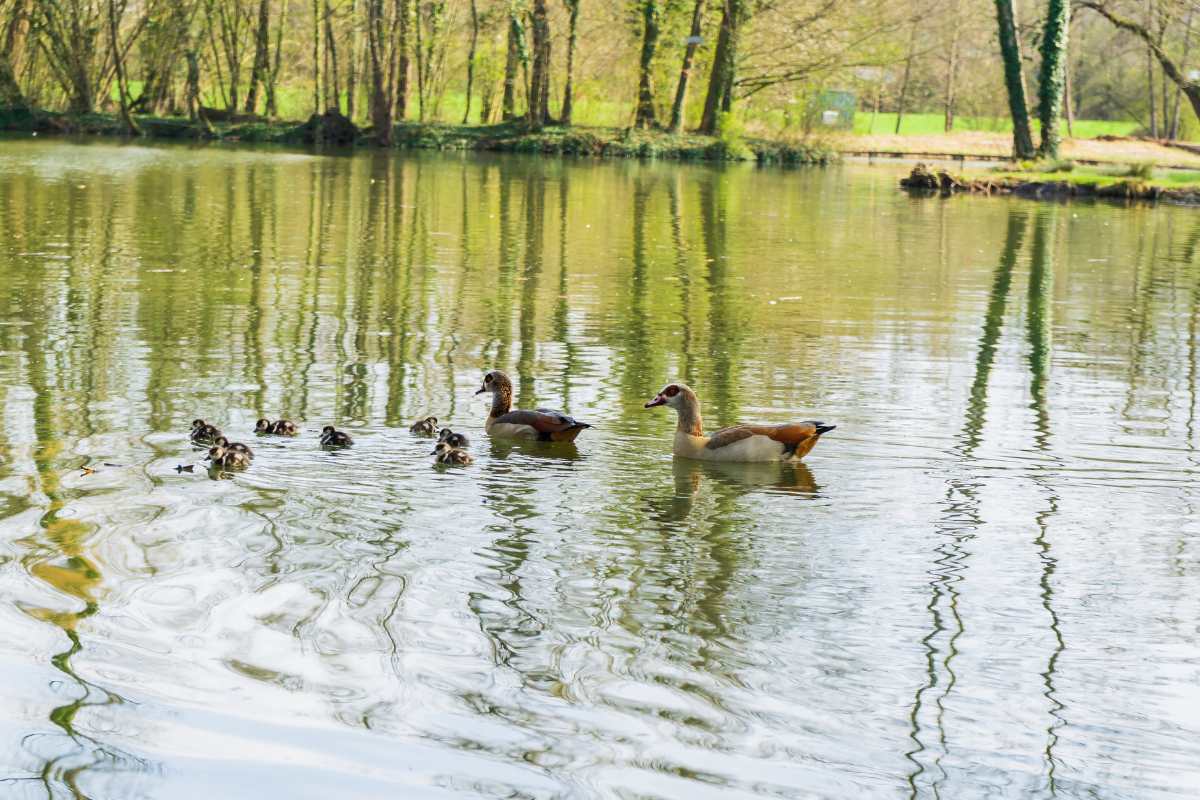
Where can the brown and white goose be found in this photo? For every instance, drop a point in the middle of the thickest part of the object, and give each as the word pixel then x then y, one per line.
pixel 544 425
pixel 738 443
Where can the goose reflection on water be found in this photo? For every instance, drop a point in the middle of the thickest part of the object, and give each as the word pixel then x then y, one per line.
pixel 730 482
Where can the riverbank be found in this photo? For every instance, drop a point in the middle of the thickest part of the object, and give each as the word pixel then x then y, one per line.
pixel 511 137
pixel 1062 180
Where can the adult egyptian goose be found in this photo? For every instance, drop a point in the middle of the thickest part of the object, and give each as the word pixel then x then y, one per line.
pixel 544 425
pixel 740 442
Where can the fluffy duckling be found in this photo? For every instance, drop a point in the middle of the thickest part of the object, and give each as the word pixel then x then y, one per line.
pixel 743 443
pixel 456 440
pixel 330 437
pixel 235 447
pixel 203 433
pixel 451 456
pixel 280 427
pixel 227 459
pixel 544 425
pixel 425 426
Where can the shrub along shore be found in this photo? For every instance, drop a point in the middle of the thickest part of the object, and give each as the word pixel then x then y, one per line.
pixel 511 137
pixel 1062 180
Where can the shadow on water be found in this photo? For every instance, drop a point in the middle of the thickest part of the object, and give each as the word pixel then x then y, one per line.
pixel 961 521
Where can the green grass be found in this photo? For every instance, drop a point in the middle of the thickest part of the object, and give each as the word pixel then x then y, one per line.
pixel 932 124
pixel 1140 174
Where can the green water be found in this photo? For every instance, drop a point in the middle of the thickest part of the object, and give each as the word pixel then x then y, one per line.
pixel 982 584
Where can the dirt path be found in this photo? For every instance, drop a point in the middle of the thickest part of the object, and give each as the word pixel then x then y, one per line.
pixel 981 143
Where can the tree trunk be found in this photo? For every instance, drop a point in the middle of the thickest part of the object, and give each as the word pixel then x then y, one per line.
pixel 1187 50
pixel 273 76
pixel 1052 79
pixel 1150 74
pixel 119 65
pixel 471 60
pixel 1014 78
pixel 539 82
pixel 333 98
pixel 355 60
pixel 381 104
pixel 952 68
pixel 262 51
pixel 568 103
pixel 685 71
pixel 316 56
pixel 720 79
pixel 644 116
pixel 508 105
pixel 908 60
pixel 11 95
pixel 403 59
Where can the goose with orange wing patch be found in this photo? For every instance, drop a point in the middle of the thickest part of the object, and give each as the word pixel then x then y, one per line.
pixel 744 443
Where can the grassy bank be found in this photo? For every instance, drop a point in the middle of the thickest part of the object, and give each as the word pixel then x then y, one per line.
pixel 1064 180
pixel 508 137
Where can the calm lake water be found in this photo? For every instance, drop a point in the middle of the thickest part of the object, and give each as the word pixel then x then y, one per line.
pixel 983 584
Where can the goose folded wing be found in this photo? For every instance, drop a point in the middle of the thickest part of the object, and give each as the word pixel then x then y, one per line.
pixel 790 435
pixel 542 421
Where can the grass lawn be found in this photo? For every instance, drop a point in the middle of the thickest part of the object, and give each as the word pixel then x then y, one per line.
pixel 932 124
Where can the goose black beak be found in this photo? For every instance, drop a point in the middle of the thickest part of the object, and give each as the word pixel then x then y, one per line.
pixel 658 400
pixel 482 389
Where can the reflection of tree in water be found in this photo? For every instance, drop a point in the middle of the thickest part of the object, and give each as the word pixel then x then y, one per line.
pixel 961 519
pixel 726 325
pixel 1039 329
pixel 684 273
pixel 535 245
pixel 561 330
pixel 56 554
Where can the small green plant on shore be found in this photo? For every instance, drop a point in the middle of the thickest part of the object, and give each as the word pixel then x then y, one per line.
pixel 1143 170
pixel 731 138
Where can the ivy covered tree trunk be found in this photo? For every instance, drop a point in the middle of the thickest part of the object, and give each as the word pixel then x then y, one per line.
pixel 644 116
pixel 1053 76
pixel 685 71
pixel 1014 78
pixel 569 87
pixel 720 80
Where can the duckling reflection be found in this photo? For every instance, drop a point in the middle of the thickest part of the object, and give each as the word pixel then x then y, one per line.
pixel 732 480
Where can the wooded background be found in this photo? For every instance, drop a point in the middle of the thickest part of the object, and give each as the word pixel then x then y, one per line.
pixel 671 64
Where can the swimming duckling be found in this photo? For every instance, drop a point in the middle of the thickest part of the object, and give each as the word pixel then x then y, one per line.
pixel 458 440
pixel 228 459
pixel 426 426
pixel 281 427
pixel 334 438
pixel 236 447
pixel 203 433
pixel 452 456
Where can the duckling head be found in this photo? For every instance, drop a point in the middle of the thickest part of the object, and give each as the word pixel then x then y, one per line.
pixel 215 453
pixel 444 434
pixel 262 426
pixel 221 441
pixel 327 430
pixel 441 449
pixel 197 424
